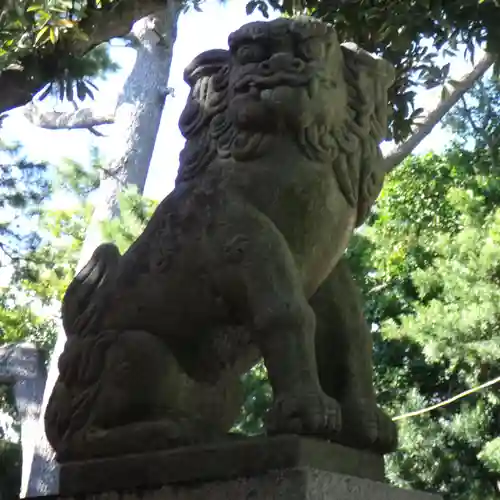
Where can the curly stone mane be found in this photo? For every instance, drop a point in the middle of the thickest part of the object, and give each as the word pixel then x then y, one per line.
pixel 352 148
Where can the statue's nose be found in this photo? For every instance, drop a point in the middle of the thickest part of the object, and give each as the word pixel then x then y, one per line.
pixel 282 61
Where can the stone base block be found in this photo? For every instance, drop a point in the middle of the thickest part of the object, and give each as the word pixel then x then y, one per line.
pixel 238 457
pixel 284 468
pixel 290 484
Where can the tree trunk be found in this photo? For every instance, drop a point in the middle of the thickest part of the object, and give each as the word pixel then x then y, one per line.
pixel 137 121
pixel 22 366
pixel 400 152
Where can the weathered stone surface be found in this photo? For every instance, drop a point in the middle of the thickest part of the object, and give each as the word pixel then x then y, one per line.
pixel 241 260
pixel 291 484
pixel 238 458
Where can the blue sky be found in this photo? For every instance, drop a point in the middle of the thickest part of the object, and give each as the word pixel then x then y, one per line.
pixel 197 32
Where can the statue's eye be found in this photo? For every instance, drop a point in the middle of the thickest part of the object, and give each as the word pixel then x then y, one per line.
pixel 312 49
pixel 250 53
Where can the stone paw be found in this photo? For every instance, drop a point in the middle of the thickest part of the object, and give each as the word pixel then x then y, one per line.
pixel 138 437
pixel 366 426
pixel 307 413
pixel 387 437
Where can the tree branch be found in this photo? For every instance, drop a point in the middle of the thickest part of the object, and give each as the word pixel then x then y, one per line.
pixel 20 82
pixel 398 154
pixel 468 116
pixel 485 101
pixel 56 120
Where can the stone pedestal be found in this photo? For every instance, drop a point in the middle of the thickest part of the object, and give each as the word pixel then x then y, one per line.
pixel 285 467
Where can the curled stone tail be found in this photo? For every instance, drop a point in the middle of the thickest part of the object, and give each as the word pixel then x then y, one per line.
pixel 80 309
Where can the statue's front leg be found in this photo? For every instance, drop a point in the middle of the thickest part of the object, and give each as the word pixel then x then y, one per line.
pixel 261 281
pixel 344 354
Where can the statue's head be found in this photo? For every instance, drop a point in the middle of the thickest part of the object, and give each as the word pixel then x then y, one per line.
pixel 293 79
pixel 285 75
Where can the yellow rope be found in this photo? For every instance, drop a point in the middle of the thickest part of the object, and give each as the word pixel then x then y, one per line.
pixel 447 401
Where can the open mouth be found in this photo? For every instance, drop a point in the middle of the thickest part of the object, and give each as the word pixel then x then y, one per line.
pixel 257 85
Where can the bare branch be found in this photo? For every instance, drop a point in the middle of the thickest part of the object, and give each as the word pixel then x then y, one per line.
pixel 56 120
pixel 485 102
pixel 398 154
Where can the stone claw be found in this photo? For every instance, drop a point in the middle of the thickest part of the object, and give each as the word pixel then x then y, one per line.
pixel 367 426
pixel 311 413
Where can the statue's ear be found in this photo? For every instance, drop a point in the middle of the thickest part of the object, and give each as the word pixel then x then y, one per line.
pixel 205 64
pixel 200 75
pixel 374 75
pixel 371 76
pixel 207 75
pixel 377 66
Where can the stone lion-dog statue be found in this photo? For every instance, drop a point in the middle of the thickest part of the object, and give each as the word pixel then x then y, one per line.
pixel 241 261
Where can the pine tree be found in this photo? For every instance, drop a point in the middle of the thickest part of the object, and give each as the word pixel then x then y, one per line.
pixel 23 187
pixel 29 304
pixel 430 275
pixel 429 264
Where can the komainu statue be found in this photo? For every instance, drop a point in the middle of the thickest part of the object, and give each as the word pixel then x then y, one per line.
pixel 242 261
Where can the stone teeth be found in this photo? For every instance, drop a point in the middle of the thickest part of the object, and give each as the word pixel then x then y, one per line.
pixel 266 94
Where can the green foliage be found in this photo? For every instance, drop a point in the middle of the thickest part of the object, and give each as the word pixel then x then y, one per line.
pixel 39 248
pixel 490 455
pixel 440 454
pixel 43 261
pixel 19 322
pixel 23 186
pixel 135 211
pixel 477 116
pixel 79 181
pixel 419 37
pixel 40 244
pixel 432 289
pixel 74 80
pixel 411 35
pixel 29 29
pixel 476 122
pixel 257 400
pixel 26 25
